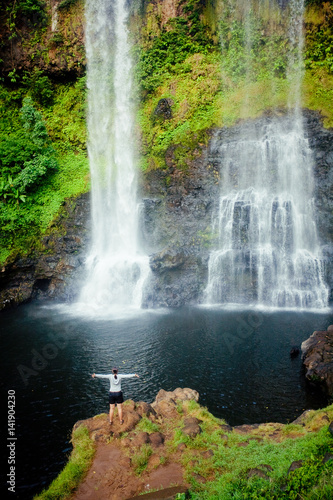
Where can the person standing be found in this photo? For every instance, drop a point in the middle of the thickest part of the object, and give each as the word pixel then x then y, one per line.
pixel 115 394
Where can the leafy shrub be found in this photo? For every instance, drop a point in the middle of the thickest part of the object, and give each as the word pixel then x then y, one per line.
pixel 319 41
pixel 181 37
pixel 28 156
pixel 30 6
pixel 34 170
pixel 40 87
pixel 66 4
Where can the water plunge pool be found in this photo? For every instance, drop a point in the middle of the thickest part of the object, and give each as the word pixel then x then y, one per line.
pixel 237 360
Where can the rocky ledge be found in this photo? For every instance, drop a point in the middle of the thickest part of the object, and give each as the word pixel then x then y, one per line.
pixel 317 354
pixel 174 445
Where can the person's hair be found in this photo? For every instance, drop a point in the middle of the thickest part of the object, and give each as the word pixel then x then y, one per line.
pixel 115 371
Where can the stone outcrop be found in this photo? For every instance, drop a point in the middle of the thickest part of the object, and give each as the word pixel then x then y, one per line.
pixel 317 354
pixel 171 466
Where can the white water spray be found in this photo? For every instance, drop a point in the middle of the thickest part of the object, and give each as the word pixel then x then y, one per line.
pixel 116 268
pixel 268 251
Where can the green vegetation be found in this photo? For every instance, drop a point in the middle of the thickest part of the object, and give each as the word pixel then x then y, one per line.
pixel 214 65
pixel 42 160
pixel 220 463
pixel 214 73
pixel 78 464
pixel 65 4
pixel 146 425
pixel 227 471
pixel 140 459
pixel 178 60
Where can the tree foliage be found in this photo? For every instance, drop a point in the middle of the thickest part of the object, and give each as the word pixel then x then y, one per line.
pixel 26 156
pixel 179 38
pixel 319 40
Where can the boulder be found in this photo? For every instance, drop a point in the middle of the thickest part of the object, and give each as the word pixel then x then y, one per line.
pixel 165 403
pixel 181 447
pixel 191 430
pixel 294 352
pixel 317 354
pixel 131 418
pixel 297 464
pixel 226 427
pixel 140 439
pixel 166 408
pixel 166 260
pixel 257 472
pixel 192 421
pixel 156 439
pixel 301 420
pixel 185 394
pixel 163 109
pixel 144 409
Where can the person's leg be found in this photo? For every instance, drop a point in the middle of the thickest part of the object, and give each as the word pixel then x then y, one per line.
pixel 120 412
pixel 111 413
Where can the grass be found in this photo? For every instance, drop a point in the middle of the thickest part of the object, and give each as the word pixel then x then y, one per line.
pixel 226 470
pixel 146 425
pixel 78 464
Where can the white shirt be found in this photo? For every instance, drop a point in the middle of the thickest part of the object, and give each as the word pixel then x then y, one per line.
pixel 115 383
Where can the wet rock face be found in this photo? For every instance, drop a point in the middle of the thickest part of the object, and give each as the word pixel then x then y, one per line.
pixel 321 143
pixel 163 109
pixel 55 274
pixel 317 353
pixel 176 227
pixel 176 230
pixel 177 216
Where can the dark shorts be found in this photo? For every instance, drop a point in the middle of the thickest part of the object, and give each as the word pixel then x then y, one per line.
pixel 116 397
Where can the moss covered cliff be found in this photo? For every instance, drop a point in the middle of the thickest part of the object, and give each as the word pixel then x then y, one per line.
pixel 194 71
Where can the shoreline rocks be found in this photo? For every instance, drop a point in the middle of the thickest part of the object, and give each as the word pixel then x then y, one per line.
pixel 317 354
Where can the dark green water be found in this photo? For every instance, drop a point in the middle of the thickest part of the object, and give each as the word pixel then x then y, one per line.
pixel 237 360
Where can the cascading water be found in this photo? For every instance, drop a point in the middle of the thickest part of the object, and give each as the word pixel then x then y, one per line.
pixel 268 251
pixel 116 268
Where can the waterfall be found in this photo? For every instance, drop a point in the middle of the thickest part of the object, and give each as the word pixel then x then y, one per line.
pixel 267 250
pixel 116 267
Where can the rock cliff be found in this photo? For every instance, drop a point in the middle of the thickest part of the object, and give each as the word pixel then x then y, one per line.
pixel 176 229
pixel 174 444
pixel 50 38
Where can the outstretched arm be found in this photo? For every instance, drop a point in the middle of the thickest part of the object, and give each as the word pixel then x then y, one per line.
pixel 99 375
